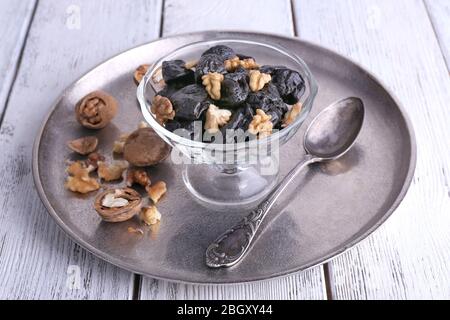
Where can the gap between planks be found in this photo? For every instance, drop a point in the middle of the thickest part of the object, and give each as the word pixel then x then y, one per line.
pixel 19 60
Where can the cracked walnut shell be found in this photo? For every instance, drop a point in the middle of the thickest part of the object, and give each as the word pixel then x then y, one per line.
pixel 111 172
pixel 162 109
pixel 216 118
pixel 261 124
pixel 117 205
pixel 150 215
pixel 292 114
pixel 96 110
pixel 84 145
pixel 258 80
pixel 212 81
pixel 156 191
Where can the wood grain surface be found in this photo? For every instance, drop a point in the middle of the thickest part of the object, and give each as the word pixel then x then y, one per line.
pixel 15 17
pixel 67 38
pixel 409 256
pixel 439 12
pixel 48 44
pixel 254 15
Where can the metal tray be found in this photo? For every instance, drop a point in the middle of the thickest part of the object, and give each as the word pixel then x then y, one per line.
pixel 327 210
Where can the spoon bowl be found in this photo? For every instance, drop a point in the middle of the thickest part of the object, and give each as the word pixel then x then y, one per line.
pixel 333 132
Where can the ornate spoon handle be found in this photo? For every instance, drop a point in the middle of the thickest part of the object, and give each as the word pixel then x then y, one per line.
pixel 231 246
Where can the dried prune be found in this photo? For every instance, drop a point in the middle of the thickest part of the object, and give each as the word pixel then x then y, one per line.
pixel 175 72
pixel 168 90
pixel 190 102
pixel 222 51
pixel 265 99
pixel 289 83
pixel 240 119
pixel 187 125
pixel 234 89
pixel 209 63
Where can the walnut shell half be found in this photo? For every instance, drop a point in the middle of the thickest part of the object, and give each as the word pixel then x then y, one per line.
pixel 84 145
pixel 96 110
pixel 145 148
pixel 131 200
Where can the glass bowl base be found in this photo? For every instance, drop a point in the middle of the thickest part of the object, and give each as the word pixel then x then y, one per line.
pixel 223 188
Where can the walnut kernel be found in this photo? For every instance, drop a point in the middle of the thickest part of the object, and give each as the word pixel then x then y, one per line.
pixel 113 171
pixel 162 109
pixel 232 64
pixel 138 176
pixel 140 72
pixel 216 118
pixel 258 80
pixel 190 64
pixel 79 179
pixel 292 114
pixel 150 215
pixel 93 160
pixel 156 191
pixel 119 144
pixel 261 124
pixel 212 81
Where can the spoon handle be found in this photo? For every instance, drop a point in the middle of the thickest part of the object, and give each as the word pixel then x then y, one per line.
pixel 231 246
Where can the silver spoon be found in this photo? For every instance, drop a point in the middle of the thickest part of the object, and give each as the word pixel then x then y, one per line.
pixel 330 135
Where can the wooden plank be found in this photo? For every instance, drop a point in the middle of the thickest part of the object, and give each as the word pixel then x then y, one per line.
pixel 409 256
pixel 439 11
pixel 263 16
pixel 15 17
pixel 67 37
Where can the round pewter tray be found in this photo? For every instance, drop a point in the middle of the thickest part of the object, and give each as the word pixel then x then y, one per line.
pixel 328 209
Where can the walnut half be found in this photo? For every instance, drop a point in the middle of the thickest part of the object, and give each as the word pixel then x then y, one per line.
pixel 261 124
pixel 96 110
pixel 162 109
pixel 258 80
pixel 212 81
pixel 216 118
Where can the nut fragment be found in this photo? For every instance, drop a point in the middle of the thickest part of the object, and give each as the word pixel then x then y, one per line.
pixel 212 82
pixel 145 148
pixel 292 114
pixel 162 109
pixel 258 80
pixel 156 191
pixel 96 110
pixel 113 200
pixel 79 179
pixel 138 176
pixel 140 72
pixel 111 172
pixel 119 144
pixel 150 215
pixel 249 63
pixel 84 145
pixel 118 213
pixel 135 231
pixel 157 78
pixel 93 159
pixel 261 124
pixel 232 64
pixel 190 64
pixel 216 118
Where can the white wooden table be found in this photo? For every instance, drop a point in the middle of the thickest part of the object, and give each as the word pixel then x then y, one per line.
pixel 47 44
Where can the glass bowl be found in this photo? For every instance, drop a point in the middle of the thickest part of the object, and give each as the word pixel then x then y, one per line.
pixel 224 175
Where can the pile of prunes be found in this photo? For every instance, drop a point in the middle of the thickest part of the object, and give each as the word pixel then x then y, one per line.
pixel 190 100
